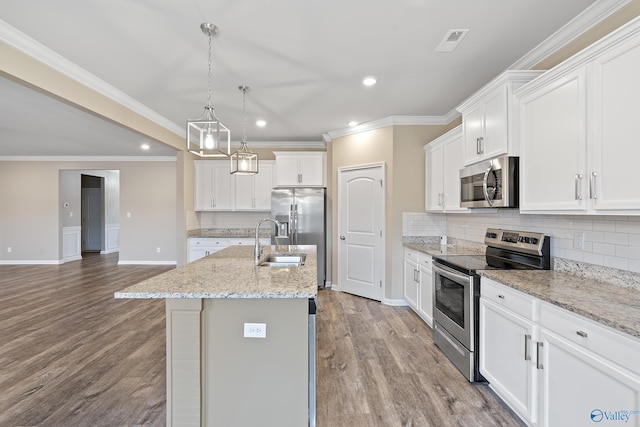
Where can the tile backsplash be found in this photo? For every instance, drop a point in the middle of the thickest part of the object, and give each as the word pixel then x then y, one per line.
pixel 609 241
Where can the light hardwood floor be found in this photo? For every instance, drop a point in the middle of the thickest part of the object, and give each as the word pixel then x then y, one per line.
pixel 72 355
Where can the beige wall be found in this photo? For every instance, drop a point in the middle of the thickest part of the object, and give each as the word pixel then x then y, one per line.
pixel 400 149
pixel 30 209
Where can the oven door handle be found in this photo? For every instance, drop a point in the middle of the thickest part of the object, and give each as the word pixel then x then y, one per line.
pixel 452 274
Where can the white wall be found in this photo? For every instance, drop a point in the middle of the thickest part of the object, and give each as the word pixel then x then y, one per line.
pixel 609 241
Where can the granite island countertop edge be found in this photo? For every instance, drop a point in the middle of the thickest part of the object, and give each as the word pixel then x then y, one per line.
pixel 232 274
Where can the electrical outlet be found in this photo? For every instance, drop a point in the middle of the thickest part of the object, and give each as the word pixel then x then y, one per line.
pixel 158 250
pixel 578 240
pixel 255 330
pixel 9 249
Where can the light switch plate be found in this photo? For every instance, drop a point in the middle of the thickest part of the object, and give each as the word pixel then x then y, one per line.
pixel 255 330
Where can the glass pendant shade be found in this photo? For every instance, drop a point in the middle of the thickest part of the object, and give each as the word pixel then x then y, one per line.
pixel 207 137
pixel 244 162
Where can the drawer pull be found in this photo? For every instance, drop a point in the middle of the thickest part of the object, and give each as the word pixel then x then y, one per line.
pixel 581 333
pixel 527 343
pixel 539 364
pixel 501 296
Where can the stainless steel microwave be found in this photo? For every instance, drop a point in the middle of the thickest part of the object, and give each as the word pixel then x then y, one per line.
pixel 490 184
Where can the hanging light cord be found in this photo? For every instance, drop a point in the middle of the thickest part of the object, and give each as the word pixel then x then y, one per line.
pixel 244 111
pixel 209 105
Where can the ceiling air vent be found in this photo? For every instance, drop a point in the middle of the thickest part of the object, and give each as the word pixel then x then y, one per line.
pixel 451 40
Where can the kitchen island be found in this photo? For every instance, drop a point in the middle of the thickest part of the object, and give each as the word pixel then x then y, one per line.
pixel 215 375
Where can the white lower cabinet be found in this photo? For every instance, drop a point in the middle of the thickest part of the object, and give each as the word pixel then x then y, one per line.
pixel 200 247
pixel 555 368
pixel 411 277
pixel 418 286
pixel 588 373
pixel 506 362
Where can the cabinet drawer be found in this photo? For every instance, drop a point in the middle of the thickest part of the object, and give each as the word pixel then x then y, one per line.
pixel 510 299
pixel 207 241
pixel 613 345
pixel 411 254
pixel 424 260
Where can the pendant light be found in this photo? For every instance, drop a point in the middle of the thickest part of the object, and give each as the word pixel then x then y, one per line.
pixel 206 136
pixel 243 161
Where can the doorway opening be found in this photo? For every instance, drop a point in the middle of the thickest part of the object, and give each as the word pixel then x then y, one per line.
pixel 92 213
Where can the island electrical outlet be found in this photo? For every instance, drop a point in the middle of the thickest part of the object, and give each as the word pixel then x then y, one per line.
pixel 255 330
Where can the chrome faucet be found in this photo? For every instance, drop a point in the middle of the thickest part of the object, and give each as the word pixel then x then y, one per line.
pixel 258 249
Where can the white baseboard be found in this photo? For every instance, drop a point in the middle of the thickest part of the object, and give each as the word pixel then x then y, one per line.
pixel 31 262
pixel 71 258
pixel 109 251
pixel 395 302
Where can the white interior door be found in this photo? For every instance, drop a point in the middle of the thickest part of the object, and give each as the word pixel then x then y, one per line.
pixel 361 231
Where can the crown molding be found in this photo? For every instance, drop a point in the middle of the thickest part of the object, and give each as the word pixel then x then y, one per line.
pixel 594 14
pixel 32 48
pixel 392 121
pixel 281 144
pixel 88 158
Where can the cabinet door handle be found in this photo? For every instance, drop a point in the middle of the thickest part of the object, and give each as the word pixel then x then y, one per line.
pixel 527 344
pixel 592 186
pixel 578 181
pixel 213 202
pixel 582 334
pixel 479 145
pixel 539 346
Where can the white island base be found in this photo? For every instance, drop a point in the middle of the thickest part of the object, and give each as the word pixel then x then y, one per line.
pixel 216 377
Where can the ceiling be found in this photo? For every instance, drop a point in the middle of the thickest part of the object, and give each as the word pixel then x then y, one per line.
pixel 304 62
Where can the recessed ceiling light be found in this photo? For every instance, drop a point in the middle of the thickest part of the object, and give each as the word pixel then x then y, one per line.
pixel 369 81
pixel 353 123
pixel 261 123
pixel 145 146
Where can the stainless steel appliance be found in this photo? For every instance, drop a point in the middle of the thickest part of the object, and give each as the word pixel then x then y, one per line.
pixel 490 184
pixel 312 362
pixel 301 213
pixel 456 290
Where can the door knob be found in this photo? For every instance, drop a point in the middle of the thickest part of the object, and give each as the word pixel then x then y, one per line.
pixel 342 237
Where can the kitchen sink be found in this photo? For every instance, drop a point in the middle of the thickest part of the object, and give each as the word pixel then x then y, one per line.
pixel 283 260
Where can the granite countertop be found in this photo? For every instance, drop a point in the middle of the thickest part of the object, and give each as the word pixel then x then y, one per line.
pixel 611 305
pixel 228 233
pixel 232 273
pixel 435 249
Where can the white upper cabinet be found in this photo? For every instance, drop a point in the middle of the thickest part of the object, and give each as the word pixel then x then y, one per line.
pixel 443 161
pixel 577 131
pixel 215 188
pixel 488 118
pixel 213 185
pixel 253 192
pixel 300 169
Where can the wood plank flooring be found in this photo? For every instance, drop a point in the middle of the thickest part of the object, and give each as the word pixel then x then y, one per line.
pixel 72 355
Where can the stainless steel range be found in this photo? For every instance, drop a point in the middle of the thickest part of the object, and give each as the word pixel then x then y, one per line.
pixel 457 290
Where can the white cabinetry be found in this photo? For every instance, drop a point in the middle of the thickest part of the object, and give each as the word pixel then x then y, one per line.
pixel 300 169
pixel 253 192
pixel 554 367
pixel 507 332
pixel 213 185
pixel 200 247
pixel 588 373
pixel 443 161
pixel 411 281
pixel 577 131
pixel 425 288
pixel 488 118
pixel 216 188
pixel 418 286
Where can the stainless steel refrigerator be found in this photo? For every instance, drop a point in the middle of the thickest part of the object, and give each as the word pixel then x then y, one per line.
pixel 301 211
